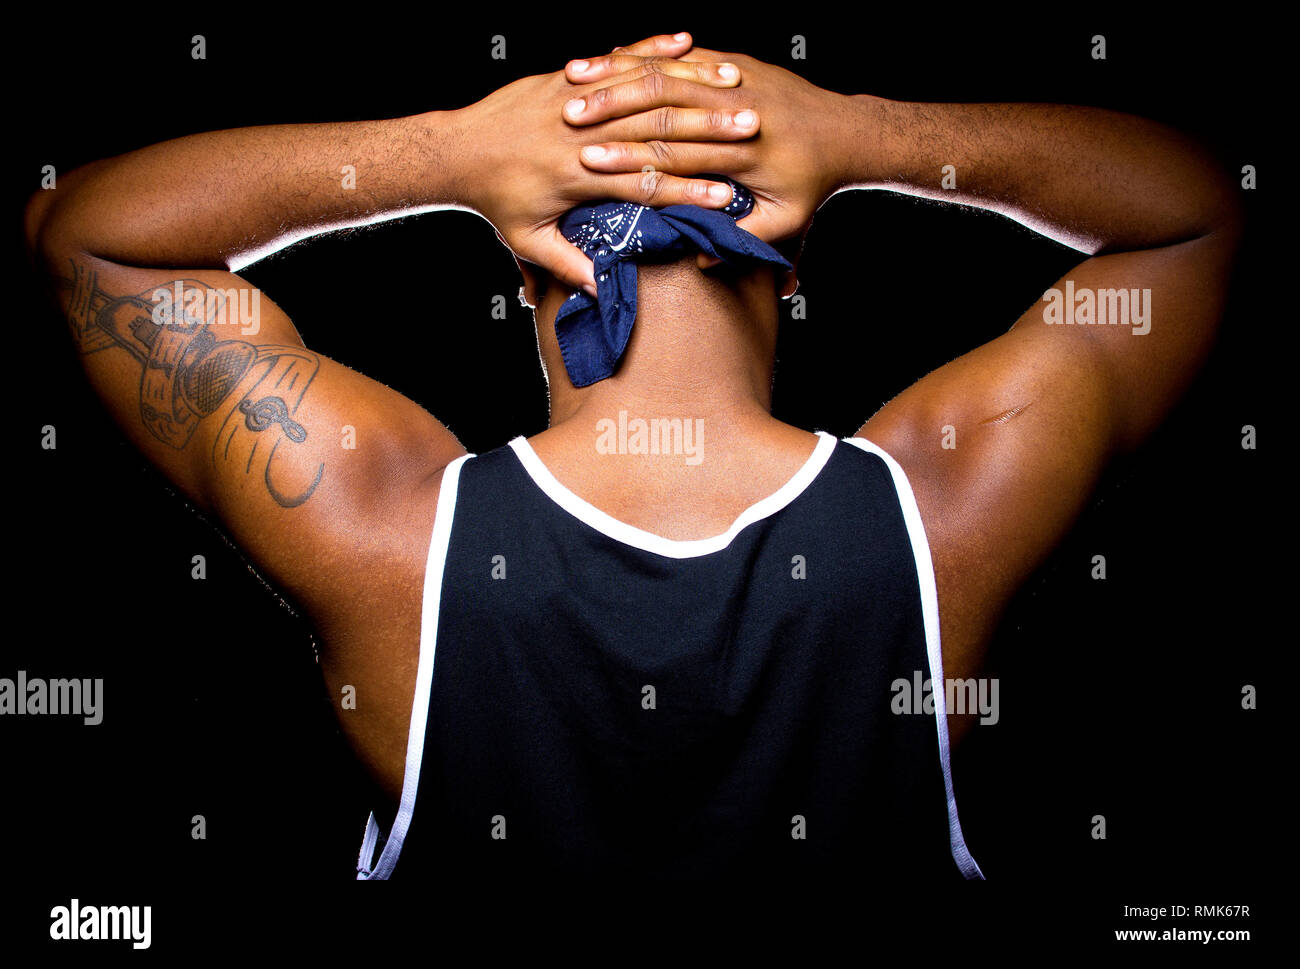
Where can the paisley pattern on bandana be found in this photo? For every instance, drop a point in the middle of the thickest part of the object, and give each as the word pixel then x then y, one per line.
pixel 593 333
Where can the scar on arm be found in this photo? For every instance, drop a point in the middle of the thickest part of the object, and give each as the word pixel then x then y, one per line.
pixel 1006 415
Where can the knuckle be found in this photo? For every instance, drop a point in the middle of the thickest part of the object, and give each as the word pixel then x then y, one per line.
pixel 718 120
pixel 661 152
pixel 666 122
pixel 600 99
pixel 653 84
pixel 651 185
pixel 694 190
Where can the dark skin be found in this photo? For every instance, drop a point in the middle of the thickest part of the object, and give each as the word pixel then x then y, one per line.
pixel 1040 411
pixel 248 424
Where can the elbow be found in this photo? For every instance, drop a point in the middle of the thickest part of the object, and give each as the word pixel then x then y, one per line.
pixel 1224 211
pixel 45 232
pixel 36 219
pixel 53 218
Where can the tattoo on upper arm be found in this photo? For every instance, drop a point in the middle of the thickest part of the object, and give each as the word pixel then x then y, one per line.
pixel 189 375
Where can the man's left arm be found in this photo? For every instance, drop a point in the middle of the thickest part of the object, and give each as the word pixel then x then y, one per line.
pixel 211 382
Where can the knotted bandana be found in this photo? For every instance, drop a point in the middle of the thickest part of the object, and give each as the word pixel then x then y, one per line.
pixel 593 333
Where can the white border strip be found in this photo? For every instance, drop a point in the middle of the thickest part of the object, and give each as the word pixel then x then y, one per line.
pixel 433 571
pixel 588 513
pixel 930 613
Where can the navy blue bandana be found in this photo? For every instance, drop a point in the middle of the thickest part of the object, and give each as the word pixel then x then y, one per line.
pixel 593 333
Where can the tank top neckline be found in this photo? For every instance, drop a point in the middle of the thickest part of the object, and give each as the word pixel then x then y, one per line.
pixel 621 531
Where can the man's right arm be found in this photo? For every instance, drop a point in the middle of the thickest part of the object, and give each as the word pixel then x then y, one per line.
pixel 1031 418
pixel 1004 444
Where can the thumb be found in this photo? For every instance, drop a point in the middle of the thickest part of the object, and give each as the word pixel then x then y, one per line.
pixel 765 223
pixel 563 260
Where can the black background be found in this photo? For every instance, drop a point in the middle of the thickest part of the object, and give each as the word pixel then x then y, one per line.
pixel 1120 698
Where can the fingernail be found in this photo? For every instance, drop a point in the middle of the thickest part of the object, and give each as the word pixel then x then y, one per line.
pixel 745 119
pixel 720 193
pixel 728 72
pixel 681 36
pixel 589 289
pixel 594 153
pixel 580 67
pixel 574 108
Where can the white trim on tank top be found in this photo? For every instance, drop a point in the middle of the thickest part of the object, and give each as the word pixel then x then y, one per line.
pixel 930 614
pixel 367 868
pixel 621 531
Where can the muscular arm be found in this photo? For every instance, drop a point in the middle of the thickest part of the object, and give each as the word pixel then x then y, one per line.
pixel 1038 412
pixel 224 199
pixel 325 479
pixel 1096 180
pixel 202 372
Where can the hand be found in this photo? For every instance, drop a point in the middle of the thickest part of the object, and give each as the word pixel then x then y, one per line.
pixel 523 170
pixel 802 156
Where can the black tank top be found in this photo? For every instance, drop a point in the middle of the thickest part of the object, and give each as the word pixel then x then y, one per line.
pixel 597 701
